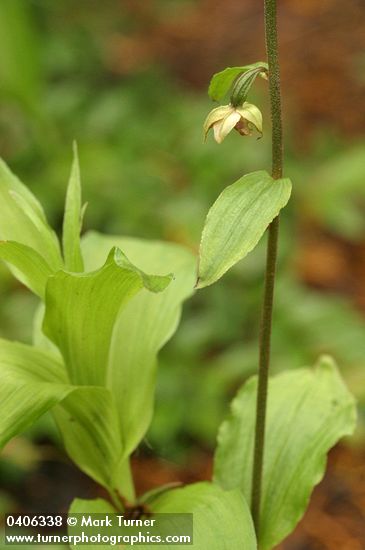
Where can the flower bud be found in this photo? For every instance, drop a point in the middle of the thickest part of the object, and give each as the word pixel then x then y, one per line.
pixel 242 85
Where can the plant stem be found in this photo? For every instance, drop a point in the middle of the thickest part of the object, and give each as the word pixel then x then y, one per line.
pixel 272 245
pixel 126 483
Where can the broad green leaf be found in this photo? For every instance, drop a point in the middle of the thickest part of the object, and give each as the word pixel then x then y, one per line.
pixel 207 502
pixel 91 506
pixel 23 220
pixel 31 382
pixel 309 410
pixel 72 219
pixel 39 339
pixel 222 81
pixel 27 265
pixel 152 494
pixel 34 381
pixel 86 507
pixel 143 326
pixel 81 310
pixel 36 365
pixel 88 422
pixel 237 221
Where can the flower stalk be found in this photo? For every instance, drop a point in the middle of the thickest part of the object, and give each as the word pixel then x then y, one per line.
pixel 272 245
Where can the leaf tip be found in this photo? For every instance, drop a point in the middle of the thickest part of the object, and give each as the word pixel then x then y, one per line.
pixel 201 283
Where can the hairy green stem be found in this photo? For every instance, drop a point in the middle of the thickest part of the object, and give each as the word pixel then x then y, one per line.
pixel 272 245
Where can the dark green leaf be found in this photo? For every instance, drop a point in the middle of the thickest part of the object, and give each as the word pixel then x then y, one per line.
pixel 221 82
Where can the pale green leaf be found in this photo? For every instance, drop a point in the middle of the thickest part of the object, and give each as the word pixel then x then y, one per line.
pixel 81 310
pixel 23 220
pixel 39 339
pixel 309 410
pixel 92 506
pixel 237 221
pixel 88 422
pixel 86 507
pixel 221 82
pixel 143 326
pixel 207 502
pixel 72 219
pixel 36 365
pixel 27 265
pixel 152 494
pixel 33 381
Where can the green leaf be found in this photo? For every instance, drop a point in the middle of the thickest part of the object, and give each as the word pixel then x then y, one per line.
pixel 23 220
pixel 221 82
pixel 207 502
pixel 34 381
pixel 19 360
pixel 39 339
pixel 81 310
pixel 92 506
pixel 309 410
pixel 143 326
pixel 86 507
pixel 88 421
pixel 27 265
pixel 237 221
pixel 72 219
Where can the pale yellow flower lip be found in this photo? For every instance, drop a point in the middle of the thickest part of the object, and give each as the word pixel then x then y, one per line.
pixel 226 117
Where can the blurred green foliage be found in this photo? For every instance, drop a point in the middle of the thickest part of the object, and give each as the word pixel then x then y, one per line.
pixel 146 172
